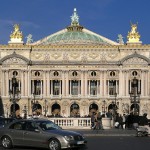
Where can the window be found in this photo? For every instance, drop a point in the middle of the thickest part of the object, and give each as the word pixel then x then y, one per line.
pixel 56 73
pixel 93 73
pixel 112 73
pixel 134 73
pixel 37 73
pixel 74 73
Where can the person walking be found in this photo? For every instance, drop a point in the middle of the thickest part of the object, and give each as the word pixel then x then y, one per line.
pixel 99 121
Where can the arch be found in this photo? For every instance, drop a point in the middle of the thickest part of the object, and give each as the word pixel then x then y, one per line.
pixel 134 55
pixel 74 110
pixel 37 108
pixel 135 109
pixel 56 110
pixel 17 56
pixel 93 108
pixel 17 109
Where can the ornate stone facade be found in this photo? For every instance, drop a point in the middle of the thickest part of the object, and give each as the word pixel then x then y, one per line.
pixel 74 72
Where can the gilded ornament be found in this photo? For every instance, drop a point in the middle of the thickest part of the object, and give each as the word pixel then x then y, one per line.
pixel 16 34
pixel 133 35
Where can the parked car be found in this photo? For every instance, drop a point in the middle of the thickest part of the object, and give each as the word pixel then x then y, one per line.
pixel 5 121
pixel 40 133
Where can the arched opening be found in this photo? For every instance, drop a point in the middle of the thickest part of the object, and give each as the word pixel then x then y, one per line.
pixel 17 110
pixel 93 109
pixel 74 110
pixel 56 110
pixel 134 109
pixel 37 108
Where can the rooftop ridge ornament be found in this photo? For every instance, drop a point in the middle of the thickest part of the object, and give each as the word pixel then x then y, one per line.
pixel 75 18
pixel 16 36
pixel 133 36
pixel 75 22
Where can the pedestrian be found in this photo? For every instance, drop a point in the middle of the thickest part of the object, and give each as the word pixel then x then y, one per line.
pixel 92 120
pixel 99 121
pixel 124 121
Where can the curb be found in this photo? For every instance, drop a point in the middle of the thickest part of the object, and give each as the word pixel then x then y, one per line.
pixel 93 135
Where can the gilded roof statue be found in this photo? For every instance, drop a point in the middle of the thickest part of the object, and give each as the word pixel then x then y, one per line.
pixel 16 36
pixel 133 36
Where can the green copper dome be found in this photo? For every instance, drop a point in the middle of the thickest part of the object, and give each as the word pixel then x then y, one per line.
pixel 75 34
pixel 74 37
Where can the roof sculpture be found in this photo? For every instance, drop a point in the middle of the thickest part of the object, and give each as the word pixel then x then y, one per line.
pixel 16 36
pixel 75 34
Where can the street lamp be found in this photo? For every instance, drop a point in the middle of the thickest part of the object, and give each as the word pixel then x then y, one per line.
pixel 135 95
pixel 33 103
pixel 25 111
pixel 45 107
pixel 114 106
pixel 104 107
pixel 14 95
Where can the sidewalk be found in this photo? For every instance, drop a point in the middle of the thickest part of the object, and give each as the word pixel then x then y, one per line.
pixel 106 132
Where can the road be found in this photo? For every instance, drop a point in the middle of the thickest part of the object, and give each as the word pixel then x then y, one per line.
pixel 111 143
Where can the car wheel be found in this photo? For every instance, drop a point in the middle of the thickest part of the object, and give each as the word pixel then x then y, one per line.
pixel 54 144
pixel 140 134
pixel 6 142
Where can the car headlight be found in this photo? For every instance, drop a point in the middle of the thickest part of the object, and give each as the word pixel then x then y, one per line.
pixel 69 137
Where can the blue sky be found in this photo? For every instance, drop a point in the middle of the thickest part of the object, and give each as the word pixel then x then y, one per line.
pixel 44 17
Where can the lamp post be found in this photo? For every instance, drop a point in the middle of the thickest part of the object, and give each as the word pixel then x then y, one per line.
pixel 25 111
pixel 104 107
pixel 114 106
pixel 33 103
pixel 135 95
pixel 14 95
pixel 45 109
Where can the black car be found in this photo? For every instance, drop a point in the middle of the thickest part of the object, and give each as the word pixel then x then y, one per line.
pixel 40 133
pixel 5 121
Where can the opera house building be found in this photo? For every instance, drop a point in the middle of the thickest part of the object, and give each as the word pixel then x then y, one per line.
pixel 74 72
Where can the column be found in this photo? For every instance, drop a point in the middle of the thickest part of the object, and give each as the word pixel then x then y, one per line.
pixel 67 83
pixel 85 83
pixel 142 83
pixel 44 84
pixel 27 83
pixel 63 84
pixel 82 84
pixel 48 83
pixel 7 83
pixel 105 93
pixel 101 84
pixel 41 88
pixel 120 83
pixel 3 82
pixel 127 75
pixel 22 83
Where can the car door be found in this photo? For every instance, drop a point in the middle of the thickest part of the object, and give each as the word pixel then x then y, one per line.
pixel 33 136
pixel 16 132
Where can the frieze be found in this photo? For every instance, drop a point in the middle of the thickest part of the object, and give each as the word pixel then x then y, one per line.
pixel 56 55
pixel 136 61
pixel 74 55
pixel 93 55
pixel 112 54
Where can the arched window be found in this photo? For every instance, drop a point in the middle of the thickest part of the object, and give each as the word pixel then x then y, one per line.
pixel 112 73
pixel 15 73
pixel 93 73
pixel 37 73
pixel 56 73
pixel 74 73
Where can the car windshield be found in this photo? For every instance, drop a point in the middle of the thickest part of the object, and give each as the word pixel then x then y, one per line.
pixel 47 125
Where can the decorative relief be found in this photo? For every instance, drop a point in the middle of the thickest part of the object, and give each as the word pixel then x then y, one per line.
pixel 46 57
pixel 103 57
pixel 14 60
pixel 74 55
pixel 135 60
pixel 93 55
pixel 65 57
pixel 84 58
pixel 56 55
pixel 37 55
pixel 112 54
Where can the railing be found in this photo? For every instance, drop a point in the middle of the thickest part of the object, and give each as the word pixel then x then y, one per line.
pixel 79 123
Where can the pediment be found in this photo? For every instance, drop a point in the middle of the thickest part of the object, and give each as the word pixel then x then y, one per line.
pixel 135 61
pixel 14 60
